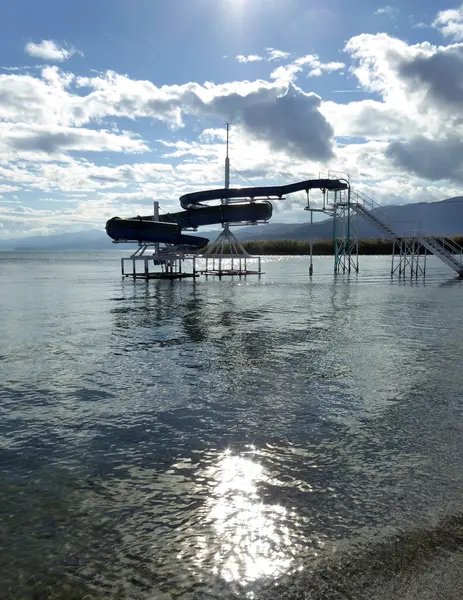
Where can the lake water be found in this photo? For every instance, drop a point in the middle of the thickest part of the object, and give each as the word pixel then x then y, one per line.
pixel 261 438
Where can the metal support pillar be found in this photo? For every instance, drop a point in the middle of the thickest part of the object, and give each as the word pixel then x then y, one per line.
pixel 408 258
pixel 345 238
pixel 156 218
pixel 311 243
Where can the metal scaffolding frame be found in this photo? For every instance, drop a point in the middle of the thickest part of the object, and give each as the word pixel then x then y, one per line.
pixel 227 256
pixel 345 233
pixel 337 204
pixel 408 256
pixel 160 261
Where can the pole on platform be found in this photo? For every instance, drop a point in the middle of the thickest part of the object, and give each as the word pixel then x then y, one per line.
pixel 227 175
pixel 311 245
pixel 227 161
pixel 156 218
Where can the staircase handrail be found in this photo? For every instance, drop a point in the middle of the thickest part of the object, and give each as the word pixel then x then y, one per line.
pixel 367 201
pixel 447 244
pixel 447 250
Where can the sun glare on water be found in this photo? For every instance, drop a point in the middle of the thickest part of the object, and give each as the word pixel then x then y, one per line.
pixel 248 539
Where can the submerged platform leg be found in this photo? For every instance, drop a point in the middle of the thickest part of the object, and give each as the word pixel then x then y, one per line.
pixel 231 257
pixel 164 263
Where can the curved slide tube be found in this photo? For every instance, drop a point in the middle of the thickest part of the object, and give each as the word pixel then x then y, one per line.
pixel 149 231
pixel 168 229
pixel 195 198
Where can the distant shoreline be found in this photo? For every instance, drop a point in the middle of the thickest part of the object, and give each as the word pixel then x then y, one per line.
pixel 367 246
pixel 374 246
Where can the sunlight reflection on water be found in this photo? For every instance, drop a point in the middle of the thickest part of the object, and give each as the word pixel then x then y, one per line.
pixel 251 538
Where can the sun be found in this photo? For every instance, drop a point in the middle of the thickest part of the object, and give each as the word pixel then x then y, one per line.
pixel 235 6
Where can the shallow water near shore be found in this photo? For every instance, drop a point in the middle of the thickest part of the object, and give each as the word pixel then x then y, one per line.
pixel 272 437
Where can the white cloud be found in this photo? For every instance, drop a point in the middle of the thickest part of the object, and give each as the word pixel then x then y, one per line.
pixel 29 99
pixel 420 25
pixel 419 78
pixel 16 69
pixel 286 72
pixel 129 189
pixel 250 58
pixel 290 71
pixel 8 188
pixel 388 11
pixel 21 220
pixel 368 119
pixel 212 134
pixel 36 116
pixel 311 62
pixel 49 50
pixel 271 54
pixel 319 68
pixel 200 150
pixel 450 23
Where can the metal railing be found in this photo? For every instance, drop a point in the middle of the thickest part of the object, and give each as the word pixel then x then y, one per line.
pixel 366 204
pixel 446 249
pixel 446 244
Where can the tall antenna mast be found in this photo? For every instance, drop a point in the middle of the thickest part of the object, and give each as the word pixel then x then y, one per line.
pixel 227 160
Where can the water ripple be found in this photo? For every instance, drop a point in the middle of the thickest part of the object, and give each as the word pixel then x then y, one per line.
pixel 267 438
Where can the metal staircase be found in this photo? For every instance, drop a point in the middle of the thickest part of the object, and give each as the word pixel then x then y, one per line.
pixel 447 251
pixel 381 225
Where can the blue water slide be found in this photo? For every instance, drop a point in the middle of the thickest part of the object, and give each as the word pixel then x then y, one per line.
pixel 168 229
pixel 147 231
pixel 278 191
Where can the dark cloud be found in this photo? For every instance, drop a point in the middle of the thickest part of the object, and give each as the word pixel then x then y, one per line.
pixel 46 142
pixel 432 159
pixel 439 74
pixel 49 141
pixel 289 120
pixel 423 84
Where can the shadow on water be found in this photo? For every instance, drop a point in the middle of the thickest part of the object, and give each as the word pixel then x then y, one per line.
pixel 52 531
pixel 455 281
pixel 164 308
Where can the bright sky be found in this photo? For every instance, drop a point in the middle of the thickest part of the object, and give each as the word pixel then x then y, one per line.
pixel 106 105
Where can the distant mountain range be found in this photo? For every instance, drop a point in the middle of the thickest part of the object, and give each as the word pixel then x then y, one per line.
pixel 434 218
pixel 95 239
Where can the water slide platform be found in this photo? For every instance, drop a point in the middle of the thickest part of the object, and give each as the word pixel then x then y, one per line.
pixel 167 264
pixel 160 275
pixel 232 206
pixel 230 272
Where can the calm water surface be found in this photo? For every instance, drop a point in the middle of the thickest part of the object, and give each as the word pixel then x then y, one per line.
pixel 257 438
